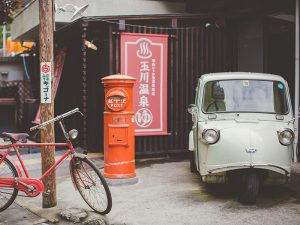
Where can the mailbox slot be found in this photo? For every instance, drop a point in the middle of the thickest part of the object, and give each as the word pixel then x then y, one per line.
pixel 118 134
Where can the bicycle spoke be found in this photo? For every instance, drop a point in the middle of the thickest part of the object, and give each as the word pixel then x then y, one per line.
pixel 5 192
pixel 91 187
pixel 96 199
pixel 89 180
pixel 7 195
pixel 85 174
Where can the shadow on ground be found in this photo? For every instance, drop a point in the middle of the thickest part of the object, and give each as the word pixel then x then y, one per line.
pixel 269 196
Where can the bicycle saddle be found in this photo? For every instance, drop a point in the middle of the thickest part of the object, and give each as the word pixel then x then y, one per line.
pixel 22 137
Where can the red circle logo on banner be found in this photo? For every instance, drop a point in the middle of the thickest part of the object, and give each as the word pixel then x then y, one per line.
pixel 45 68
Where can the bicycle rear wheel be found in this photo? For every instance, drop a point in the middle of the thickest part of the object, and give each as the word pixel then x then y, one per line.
pixel 91 185
pixel 7 195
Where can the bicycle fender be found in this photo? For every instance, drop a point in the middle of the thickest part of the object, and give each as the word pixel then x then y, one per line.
pixel 76 155
pixel 79 155
pixel 71 174
pixel 13 162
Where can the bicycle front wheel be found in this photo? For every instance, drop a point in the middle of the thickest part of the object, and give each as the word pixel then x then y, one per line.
pixel 7 195
pixel 91 185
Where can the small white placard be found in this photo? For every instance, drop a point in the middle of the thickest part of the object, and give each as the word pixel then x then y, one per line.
pixel 251 150
pixel 46 82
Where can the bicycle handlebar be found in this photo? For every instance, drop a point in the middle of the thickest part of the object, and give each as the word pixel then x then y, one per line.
pixel 55 119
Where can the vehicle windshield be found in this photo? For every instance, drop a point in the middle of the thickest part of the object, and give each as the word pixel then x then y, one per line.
pixel 245 96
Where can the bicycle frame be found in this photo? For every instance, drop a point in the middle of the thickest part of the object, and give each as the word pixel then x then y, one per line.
pixel 33 187
pixel 67 144
pixel 15 146
pixel 80 168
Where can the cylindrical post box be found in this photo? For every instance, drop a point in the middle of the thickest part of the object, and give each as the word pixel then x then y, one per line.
pixel 119 153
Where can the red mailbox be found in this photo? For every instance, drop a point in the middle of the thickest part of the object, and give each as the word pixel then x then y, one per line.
pixel 119 160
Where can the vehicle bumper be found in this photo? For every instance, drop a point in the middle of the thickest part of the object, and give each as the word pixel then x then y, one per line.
pixel 266 166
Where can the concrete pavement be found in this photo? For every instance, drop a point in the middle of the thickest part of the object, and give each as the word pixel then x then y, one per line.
pixel 18 215
pixel 24 214
pixel 167 193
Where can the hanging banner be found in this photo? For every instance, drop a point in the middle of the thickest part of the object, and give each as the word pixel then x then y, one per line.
pixel 59 60
pixel 145 57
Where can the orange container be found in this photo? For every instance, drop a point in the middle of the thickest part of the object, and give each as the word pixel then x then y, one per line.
pixel 16 47
pixel 119 159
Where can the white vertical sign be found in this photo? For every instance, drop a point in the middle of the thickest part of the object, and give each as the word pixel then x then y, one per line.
pixel 46 82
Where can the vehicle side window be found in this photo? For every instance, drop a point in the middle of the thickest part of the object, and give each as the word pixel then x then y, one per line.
pixel 213 97
pixel 280 101
pixel 207 97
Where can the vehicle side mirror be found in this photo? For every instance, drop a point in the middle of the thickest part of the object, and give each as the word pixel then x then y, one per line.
pixel 193 109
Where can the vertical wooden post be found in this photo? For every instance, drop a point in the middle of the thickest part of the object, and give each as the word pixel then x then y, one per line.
pixel 47 109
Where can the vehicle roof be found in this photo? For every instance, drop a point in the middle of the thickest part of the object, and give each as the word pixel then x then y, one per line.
pixel 240 75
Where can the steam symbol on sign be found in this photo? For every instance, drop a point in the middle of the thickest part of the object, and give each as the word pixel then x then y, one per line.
pixel 45 68
pixel 144 52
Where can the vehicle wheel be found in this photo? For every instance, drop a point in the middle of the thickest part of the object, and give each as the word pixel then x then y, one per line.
pixel 249 187
pixel 91 185
pixel 193 166
pixel 7 195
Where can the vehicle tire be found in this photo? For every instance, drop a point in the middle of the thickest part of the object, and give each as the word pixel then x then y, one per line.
pixel 193 166
pixel 250 185
pixel 91 185
pixel 7 195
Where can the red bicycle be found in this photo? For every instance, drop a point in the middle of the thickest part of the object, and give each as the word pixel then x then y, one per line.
pixel 86 177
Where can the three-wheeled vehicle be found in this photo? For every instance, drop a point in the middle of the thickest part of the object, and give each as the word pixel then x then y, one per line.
pixel 243 131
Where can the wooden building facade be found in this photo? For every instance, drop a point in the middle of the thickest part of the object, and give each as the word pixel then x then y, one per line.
pixel 197 45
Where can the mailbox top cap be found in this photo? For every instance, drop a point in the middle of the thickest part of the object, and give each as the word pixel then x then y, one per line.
pixel 118 77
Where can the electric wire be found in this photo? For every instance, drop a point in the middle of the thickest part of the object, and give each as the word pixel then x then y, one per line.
pixel 208 24
pixel 25 69
pixel 27 74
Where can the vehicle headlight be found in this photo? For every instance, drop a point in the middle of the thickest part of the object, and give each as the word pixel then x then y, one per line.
pixel 285 136
pixel 211 136
pixel 73 133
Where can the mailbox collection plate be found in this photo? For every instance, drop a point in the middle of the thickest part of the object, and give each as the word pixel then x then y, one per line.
pixel 118 134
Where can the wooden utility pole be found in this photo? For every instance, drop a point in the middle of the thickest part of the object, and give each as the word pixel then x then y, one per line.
pixel 47 109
